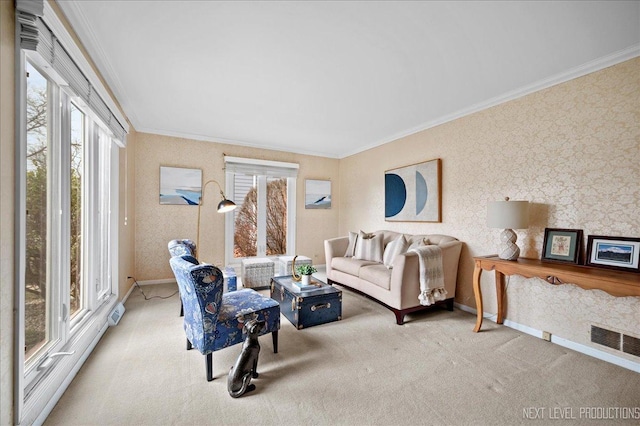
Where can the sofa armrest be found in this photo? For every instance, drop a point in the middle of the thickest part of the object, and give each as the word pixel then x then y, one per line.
pixel 334 247
pixel 450 259
pixel 405 275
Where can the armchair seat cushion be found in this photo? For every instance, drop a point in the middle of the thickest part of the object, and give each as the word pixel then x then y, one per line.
pixel 239 307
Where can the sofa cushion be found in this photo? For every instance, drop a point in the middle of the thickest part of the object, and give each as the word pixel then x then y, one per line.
pixel 349 265
pixel 393 249
pixel 369 247
pixel 377 274
pixel 351 248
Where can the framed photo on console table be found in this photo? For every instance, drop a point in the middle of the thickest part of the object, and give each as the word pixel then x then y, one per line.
pixel 562 245
pixel 619 253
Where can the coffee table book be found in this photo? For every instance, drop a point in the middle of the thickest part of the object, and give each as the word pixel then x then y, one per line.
pixel 314 284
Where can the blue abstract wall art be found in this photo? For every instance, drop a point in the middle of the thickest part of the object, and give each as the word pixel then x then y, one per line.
pixel 317 194
pixel 180 186
pixel 412 193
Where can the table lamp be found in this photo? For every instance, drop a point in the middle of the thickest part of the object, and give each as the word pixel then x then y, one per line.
pixel 224 206
pixel 508 215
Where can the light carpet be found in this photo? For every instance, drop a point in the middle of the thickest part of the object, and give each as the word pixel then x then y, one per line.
pixel 363 370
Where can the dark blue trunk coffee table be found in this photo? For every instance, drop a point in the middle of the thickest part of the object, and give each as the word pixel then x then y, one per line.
pixel 309 306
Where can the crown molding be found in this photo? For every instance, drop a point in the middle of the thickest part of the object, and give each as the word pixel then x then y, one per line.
pixel 236 142
pixel 576 72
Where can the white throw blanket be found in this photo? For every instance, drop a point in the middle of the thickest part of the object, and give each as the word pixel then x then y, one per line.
pixel 431 274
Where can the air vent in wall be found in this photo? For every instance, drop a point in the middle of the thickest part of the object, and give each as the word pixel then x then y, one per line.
pixel 631 345
pixel 605 337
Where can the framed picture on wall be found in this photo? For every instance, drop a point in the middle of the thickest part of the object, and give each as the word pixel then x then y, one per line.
pixel 413 193
pixel 619 253
pixel 562 245
pixel 317 194
pixel 180 186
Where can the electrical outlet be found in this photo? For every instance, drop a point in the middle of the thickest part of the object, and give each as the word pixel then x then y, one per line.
pixel 546 336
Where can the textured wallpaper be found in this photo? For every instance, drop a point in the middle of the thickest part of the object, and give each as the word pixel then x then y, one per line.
pixel 157 224
pixel 573 150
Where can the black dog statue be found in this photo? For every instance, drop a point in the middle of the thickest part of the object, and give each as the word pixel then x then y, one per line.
pixel 246 367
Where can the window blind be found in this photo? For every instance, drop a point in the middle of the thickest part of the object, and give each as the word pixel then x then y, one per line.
pixel 252 166
pixel 37 36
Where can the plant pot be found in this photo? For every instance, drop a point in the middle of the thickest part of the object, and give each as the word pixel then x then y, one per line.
pixel 306 279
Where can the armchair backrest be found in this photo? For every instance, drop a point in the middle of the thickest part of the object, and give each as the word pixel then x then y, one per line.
pixel 201 288
pixel 181 247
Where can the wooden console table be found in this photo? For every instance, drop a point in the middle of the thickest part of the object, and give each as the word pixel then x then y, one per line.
pixel 616 283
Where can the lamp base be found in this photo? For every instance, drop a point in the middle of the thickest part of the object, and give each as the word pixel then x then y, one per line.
pixel 508 247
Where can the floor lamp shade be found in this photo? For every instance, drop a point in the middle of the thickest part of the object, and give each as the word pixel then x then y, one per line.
pixel 508 215
pixel 226 206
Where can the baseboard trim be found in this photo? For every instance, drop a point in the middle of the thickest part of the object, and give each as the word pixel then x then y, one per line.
pixel 578 347
pixel 126 296
pixel 152 282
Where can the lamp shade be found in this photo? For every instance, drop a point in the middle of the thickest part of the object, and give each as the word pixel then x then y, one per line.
pixel 226 206
pixel 508 214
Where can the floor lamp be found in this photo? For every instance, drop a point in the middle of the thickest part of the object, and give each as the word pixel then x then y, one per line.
pixel 223 206
pixel 508 215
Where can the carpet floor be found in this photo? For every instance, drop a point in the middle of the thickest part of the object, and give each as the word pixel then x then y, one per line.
pixel 362 370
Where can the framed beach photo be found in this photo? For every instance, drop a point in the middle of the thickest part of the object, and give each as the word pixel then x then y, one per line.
pixel 562 245
pixel 317 194
pixel 619 253
pixel 180 186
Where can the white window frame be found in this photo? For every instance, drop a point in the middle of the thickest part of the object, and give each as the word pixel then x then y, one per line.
pixel 262 168
pixel 39 385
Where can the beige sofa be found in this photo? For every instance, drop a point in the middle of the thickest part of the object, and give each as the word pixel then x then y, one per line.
pixel 397 287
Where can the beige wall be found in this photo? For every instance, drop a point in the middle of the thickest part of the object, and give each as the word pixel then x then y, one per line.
pixel 7 194
pixel 573 150
pixel 157 224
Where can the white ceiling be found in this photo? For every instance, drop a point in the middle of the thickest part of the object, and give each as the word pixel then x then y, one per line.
pixel 336 78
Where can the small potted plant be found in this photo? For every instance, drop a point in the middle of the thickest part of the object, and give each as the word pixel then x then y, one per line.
pixel 305 271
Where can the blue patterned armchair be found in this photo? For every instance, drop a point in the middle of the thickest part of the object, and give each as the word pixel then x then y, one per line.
pixel 182 247
pixel 213 320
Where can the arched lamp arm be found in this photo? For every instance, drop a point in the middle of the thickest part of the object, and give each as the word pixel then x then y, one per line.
pixel 230 205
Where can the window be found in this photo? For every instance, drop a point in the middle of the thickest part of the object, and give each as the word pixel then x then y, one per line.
pixel 38 314
pixel 76 283
pixel 67 192
pixel 264 222
pixel 67 222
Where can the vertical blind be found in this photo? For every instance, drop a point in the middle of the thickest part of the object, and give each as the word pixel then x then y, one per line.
pixel 37 36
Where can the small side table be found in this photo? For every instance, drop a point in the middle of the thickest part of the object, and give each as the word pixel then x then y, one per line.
pixel 257 272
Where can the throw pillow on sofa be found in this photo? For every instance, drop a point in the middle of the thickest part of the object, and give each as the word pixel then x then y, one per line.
pixel 369 247
pixel 394 248
pixel 351 249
